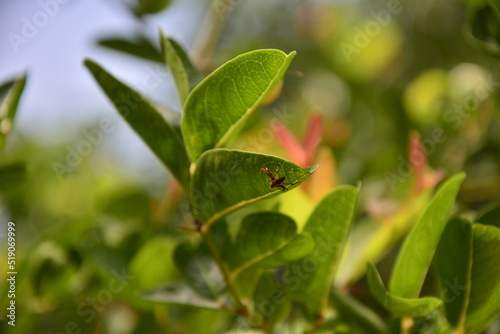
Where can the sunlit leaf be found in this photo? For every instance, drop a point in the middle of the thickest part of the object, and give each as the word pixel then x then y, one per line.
pixel 193 75
pixel 370 240
pixel 328 225
pixel 261 236
pixel 419 246
pixel 225 180
pixel 175 63
pixel 221 103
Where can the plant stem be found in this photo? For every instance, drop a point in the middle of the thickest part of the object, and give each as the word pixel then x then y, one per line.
pixel 229 282
pixel 241 308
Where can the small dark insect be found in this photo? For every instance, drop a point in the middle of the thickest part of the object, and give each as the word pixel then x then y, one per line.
pixel 277 182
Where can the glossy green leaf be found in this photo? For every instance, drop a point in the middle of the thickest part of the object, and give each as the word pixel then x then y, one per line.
pixel 199 270
pixel 193 75
pixel 356 314
pixel 146 122
pixel 270 302
pixel 409 307
pixel 300 246
pixel 176 65
pixel 9 106
pixel 470 274
pixel 419 246
pixel 180 294
pixel 261 235
pixel 151 6
pixel 221 103
pixel 329 225
pixel 139 47
pixel 225 180
pixel 371 239
pixel 454 262
pixel 484 300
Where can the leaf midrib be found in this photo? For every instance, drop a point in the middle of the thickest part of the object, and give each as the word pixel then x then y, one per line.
pixel 234 273
pixel 247 113
pixel 218 215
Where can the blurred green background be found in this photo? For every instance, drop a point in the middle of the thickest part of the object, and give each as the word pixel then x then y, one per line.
pixel 93 234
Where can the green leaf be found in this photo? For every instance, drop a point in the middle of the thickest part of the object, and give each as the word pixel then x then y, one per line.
pixel 454 260
pixel 357 314
pixel 371 239
pixel 300 246
pixel 329 226
pixel 261 235
pixel 490 215
pixel 176 65
pixel 199 270
pixel 9 106
pixel 468 267
pixel 246 283
pixel 222 102
pixel 270 302
pixel 180 294
pixel 144 265
pixel 194 76
pixel 484 28
pixel 264 239
pixel 12 175
pixel 5 88
pixel 496 5
pixel 146 122
pixel 151 6
pixel 419 246
pixel 225 180
pixel 140 47
pixel 409 307
pixel 484 300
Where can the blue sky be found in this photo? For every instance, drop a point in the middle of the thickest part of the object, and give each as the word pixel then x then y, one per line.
pixel 61 97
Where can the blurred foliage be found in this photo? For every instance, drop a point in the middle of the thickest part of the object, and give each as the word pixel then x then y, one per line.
pixel 91 239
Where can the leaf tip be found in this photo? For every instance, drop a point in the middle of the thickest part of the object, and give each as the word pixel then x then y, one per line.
pixel 312 169
pixel 88 62
pixel 162 33
pixel 292 54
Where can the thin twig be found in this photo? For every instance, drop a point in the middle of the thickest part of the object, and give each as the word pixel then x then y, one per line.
pixel 209 33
